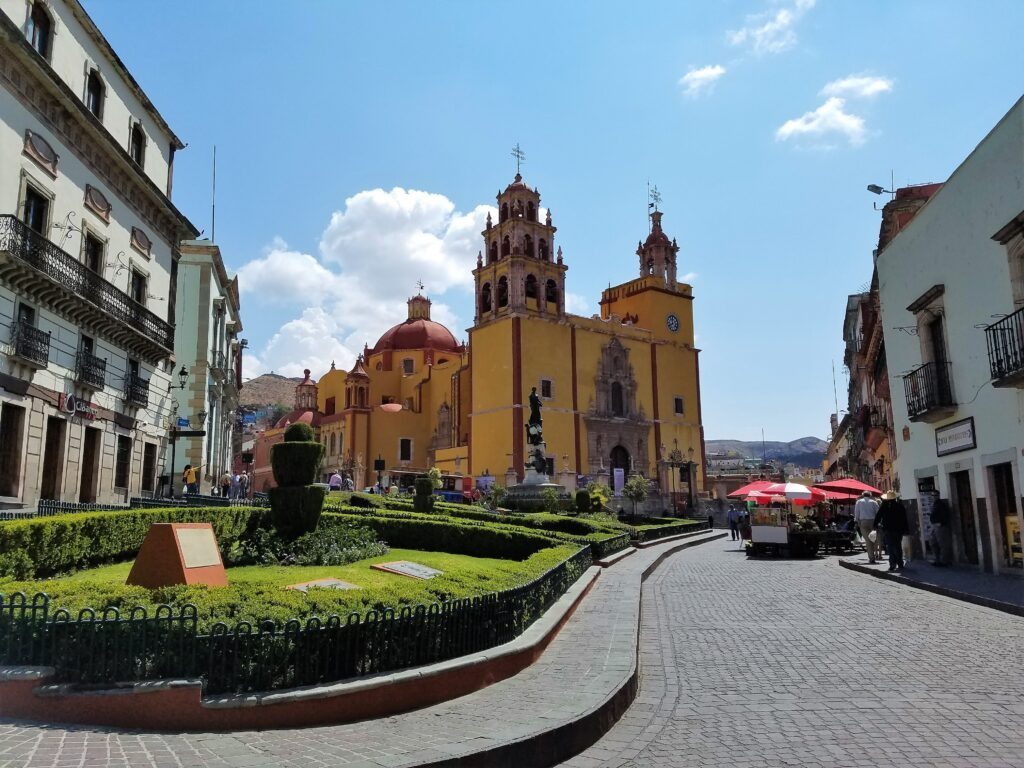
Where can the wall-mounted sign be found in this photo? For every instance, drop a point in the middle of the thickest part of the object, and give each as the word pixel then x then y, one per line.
pixel 183 422
pixel 955 437
pixel 75 406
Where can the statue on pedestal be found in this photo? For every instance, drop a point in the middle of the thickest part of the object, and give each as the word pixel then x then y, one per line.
pixel 535 426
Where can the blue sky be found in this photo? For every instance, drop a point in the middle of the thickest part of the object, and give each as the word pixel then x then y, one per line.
pixel 358 144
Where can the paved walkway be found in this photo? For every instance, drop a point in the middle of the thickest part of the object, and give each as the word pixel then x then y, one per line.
pixel 804 663
pixel 582 668
pixel 970 583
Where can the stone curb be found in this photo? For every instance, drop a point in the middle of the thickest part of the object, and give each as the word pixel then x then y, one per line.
pixel 612 559
pixel 676 537
pixel 967 597
pixel 564 741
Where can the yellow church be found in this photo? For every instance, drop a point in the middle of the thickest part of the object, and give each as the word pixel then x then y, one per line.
pixel 619 390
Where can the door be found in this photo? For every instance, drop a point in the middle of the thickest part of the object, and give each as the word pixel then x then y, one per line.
pixel 963 505
pixel 53 458
pixel 620 459
pixel 90 466
pixel 12 419
pixel 148 468
pixel 1006 513
pixel 938 336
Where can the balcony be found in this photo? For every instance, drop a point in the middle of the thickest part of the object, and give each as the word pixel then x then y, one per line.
pixel 30 345
pixel 90 371
pixel 33 266
pixel 218 365
pixel 928 392
pixel 1005 341
pixel 136 390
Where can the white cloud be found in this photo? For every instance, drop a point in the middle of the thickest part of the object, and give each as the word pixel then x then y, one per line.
pixel 577 305
pixel 701 80
pixel 308 341
pixel 827 120
pixel 284 276
pixel 771 32
pixel 688 278
pixel 858 86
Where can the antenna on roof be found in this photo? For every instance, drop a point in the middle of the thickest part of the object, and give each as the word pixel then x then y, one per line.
pixel 213 200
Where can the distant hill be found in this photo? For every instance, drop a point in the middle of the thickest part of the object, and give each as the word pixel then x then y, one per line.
pixel 805 452
pixel 269 389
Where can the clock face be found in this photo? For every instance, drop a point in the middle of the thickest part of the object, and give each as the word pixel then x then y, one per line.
pixel 672 322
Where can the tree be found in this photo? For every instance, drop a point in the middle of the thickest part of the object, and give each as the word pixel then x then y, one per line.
pixel 635 490
pixel 599 493
pixel 552 500
pixel 435 476
pixel 497 496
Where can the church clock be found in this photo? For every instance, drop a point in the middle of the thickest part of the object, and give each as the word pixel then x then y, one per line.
pixel 672 322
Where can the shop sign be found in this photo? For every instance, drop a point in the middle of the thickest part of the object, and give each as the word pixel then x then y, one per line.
pixel 75 406
pixel 955 437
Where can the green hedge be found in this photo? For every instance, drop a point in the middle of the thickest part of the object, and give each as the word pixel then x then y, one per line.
pixel 53 545
pixel 666 527
pixel 295 464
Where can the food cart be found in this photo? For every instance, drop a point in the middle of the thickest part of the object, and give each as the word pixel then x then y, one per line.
pixel 779 523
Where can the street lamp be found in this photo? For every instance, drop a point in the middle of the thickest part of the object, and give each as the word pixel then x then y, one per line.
pixel 182 377
pixel 689 477
pixel 875 189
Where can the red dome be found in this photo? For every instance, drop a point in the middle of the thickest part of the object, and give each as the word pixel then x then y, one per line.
pixel 418 333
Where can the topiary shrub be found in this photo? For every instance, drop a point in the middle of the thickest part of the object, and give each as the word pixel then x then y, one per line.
pixel 423 501
pixel 582 501
pixel 295 503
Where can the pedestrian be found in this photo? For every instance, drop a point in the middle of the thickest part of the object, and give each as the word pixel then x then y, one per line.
pixel 335 481
pixel 225 484
pixel 236 484
pixel 711 521
pixel 190 477
pixel 942 535
pixel 864 512
pixel 734 523
pixel 892 521
pixel 243 486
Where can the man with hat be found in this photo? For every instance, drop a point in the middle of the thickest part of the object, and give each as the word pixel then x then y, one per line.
pixel 892 519
pixel 864 512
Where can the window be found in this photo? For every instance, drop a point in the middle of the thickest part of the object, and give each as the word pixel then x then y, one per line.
pixel 148 467
pixel 26 315
pixel 679 406
pixel 37 210
pixel 40 30
pixel 502 292
pixel 545 388
pixel 408 366
pixel 122 462
pixel 137 145
pixel 405 449
pixel 551 292
pixel 87 344
pixel 138 287
pixel 617 406
pixel 94 93
pixel 93 252
pixel 531 287
pixel 133 368
pixel 329 406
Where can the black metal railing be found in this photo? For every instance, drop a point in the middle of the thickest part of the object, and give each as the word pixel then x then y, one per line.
pixel 106 647
pixel 218 360
pixel 1005 341
pixel 927 388
pixel 30 344
pixel 90 371
pixel 136 390
pixel 39 253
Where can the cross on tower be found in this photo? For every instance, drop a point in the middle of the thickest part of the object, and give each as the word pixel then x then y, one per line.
pixel 520 157
pixel 655 197
pixel 420 285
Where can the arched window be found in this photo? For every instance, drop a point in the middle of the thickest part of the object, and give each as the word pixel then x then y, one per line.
pixel 617 407
pixel 40 30
pixel 504 212
pixel 542 250
pixel 485 298
pixel 137 147
pixel 503 292
pixel 528 245
pixel 506 246
pixel 531 212
pixel 334 444
pixel 493 254
pixel 348 398
pixel 94 93
pixel 531 287
pixel 551 292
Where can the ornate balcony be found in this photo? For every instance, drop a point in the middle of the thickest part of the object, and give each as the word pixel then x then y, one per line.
pixel 31 345
pixel 1005 341
pixel 928 392
pixel 90 371
pixel 33 266
pixel 136 390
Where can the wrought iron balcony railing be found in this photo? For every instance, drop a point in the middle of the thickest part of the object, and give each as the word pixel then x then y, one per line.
pixel 928 391
pixel 218 361
pixel 31 248
pixel 1005 341
pixel 30 344
pixel 90 371
pixel 136 390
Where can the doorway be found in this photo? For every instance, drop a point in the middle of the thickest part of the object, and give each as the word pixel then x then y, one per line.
pixel 620 459
pixel 53 459
pixel 963 505
pixel 1006 513
pixel 12 420
pixel 90 466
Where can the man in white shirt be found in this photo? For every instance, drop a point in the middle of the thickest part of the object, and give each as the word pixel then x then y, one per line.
pixel 864 512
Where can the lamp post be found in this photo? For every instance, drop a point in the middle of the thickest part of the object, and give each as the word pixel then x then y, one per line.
pixel 378 465
pixel 674 459
pixel 689 477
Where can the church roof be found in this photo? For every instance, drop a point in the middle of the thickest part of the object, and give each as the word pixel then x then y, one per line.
pixel 417 333
pixel 518 183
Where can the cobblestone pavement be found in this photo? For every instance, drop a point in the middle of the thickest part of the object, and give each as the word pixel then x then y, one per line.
pixel 803 663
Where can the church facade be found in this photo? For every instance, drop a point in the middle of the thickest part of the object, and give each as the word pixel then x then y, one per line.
pixel 619 390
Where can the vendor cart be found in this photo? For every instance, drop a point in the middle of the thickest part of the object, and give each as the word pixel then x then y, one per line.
pixel 778 531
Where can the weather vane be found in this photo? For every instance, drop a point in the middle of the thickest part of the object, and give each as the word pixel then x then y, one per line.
pixel 655 197
pixel 420 285
pixel 520 157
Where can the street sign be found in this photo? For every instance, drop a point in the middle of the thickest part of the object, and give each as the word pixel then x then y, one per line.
pixel 182 422
pixel 190 433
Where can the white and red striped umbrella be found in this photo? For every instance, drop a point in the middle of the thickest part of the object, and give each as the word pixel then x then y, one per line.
pixel 794 492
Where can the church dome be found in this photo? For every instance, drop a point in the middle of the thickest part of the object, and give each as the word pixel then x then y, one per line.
pixel 518 183
pixel 418 331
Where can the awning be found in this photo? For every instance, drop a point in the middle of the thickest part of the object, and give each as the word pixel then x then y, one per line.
pixel 848 485
pixel 757 485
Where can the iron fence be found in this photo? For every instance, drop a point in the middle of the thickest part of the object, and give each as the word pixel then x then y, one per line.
pixel 927 388
pixel 105 647
pixel 1005 341
pixel 30 343
pixel 136 390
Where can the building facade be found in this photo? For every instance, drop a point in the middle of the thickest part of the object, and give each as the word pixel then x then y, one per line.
pixel 88 252
pixel 951 289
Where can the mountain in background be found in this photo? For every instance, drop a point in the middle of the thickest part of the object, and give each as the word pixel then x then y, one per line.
pixel 269 389
pixel 805 452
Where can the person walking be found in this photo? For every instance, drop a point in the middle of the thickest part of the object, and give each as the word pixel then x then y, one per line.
pixel 225 484
pixel 942 534
pixel 236 485
pixel 335 481
pixel 733 519
pixel 243 486
pixel 864 512
pixel 892 520
pixel 190 477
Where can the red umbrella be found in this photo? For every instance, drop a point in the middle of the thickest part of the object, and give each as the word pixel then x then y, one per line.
pixel 839 496
pixel 749 488
pixel 848 485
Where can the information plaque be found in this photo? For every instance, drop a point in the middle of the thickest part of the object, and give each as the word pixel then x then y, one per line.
pixel 178 553
pixel 408 568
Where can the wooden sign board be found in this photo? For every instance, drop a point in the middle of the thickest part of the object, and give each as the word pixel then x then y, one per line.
pixel 328 583
pixel 178 553
pixel 408 568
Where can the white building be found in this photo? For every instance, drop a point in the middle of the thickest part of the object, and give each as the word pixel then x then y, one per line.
pixel 951 285
pixel 208 347
pixel 88 257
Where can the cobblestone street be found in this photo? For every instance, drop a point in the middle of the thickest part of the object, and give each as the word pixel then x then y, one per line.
pixel 802 663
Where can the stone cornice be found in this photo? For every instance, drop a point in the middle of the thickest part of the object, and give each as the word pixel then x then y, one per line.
pixel 34 83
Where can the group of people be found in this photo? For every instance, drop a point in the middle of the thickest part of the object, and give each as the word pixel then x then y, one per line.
pixel 337 483
pixel 888 518
pixel 234 485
